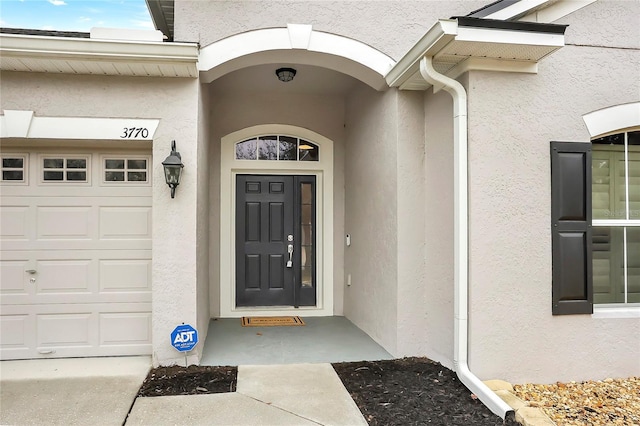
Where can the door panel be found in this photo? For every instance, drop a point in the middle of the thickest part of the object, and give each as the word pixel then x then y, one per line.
pixel 269 209
pixel 264 218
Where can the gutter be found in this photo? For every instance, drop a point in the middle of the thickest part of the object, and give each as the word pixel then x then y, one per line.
pixel 461 239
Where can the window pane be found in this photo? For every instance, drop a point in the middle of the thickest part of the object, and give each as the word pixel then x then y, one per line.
pixel 634 182
pixel 137 164
pixel 617 139
pixel 14 163
pixel 306 214
pixel 76 163
pixel 601 184
pixel 77 176
pixel 306 277
pixel 57 175
pixel 12 175
pixel 608 264
pixel 268 148
pixel 308 151
pixel 634 138
pixel 114 164
pixel 114 176
pixel 246 150
pixel 53 163
pixel 633 264
pixel 288 148
pixel 137 176
pixel 307 193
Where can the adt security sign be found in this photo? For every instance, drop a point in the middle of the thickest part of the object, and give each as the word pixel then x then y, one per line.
pixel 184 338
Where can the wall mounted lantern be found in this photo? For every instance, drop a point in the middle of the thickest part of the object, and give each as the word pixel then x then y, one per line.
pixel 172 169
pixel 285 74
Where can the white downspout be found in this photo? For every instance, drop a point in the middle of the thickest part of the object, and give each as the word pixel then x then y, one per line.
pixel 461 238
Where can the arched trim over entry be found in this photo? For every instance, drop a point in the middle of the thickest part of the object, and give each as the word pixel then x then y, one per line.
pixel 295 44
pixel 230 167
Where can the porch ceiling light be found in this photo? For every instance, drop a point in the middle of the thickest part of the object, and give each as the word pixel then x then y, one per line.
pixel 172 169
pixel 285 74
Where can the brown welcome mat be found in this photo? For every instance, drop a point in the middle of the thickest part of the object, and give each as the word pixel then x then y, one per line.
pixel 271 321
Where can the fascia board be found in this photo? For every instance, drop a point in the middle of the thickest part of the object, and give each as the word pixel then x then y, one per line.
pixel 556 11
pixel 436 38
pixel 88 49
pixel 501 36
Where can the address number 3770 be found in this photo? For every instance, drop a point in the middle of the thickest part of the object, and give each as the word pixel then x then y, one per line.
pixel 134 133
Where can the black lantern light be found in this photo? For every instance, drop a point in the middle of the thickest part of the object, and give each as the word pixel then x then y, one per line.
pixel 285 74
pixel 172 169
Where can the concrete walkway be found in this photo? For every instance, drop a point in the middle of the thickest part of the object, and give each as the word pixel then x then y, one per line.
pixel 101 391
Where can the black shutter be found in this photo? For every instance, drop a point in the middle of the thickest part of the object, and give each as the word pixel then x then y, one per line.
pixel 572 288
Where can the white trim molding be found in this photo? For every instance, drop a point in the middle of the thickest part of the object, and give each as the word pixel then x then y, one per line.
pixel 24 124
pixel 322 169
pixel 295 44
pixel 612 119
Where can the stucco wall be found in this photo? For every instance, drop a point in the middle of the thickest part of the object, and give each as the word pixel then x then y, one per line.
pixel 410 146
pixel 398 24
pixel 512 118
pixel 174 102
pixel 371 214
pixel 203 225
pixel 438 222
pixel 322 114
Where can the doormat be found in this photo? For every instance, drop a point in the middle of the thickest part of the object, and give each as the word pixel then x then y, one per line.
pixel 271 321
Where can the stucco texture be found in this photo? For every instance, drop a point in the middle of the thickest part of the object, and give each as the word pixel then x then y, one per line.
pixel 174 102
pixel 398 24
pixel 512 119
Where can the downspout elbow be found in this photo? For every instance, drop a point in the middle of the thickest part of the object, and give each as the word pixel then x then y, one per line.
pixel 461 243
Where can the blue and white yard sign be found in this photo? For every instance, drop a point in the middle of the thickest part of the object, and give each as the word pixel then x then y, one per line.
pixel 184 338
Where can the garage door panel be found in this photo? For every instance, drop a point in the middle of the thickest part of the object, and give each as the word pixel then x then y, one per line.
pixel 13 222
pixel 128 274
pixel 57 330
pixel 125 222
pixel 64 330
pixel 136 324
pixel 64 276
pixel 64 222
pixel 13 278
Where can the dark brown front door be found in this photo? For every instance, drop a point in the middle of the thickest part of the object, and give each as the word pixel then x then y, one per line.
pixel 275 240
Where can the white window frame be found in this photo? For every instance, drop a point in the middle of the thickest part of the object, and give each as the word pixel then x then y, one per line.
pixel 625 223
pixel 25 169
pixel 65 157
pixel 103 170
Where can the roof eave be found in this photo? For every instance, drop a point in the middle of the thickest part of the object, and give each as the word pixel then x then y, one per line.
pixel 104 57
pixel 464 44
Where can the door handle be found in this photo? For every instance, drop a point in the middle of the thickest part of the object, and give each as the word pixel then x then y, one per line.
pixel 31 271
pixel 290 251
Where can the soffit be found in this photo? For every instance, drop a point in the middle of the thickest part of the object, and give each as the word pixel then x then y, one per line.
pixel 465 44
pixel 26 53
pixel 162 13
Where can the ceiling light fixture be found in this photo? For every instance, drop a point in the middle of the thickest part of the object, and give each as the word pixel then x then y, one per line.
pixel 285 74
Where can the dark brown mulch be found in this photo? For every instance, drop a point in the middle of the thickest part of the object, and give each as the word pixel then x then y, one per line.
pixel 408 391
pixel 193 380
pixel 413 391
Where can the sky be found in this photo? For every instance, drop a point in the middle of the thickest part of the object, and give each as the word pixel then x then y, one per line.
pixel 74 15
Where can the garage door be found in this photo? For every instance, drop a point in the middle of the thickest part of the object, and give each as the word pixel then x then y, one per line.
pixel 75 253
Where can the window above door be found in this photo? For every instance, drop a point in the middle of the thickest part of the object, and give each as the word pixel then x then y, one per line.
pixel 278 148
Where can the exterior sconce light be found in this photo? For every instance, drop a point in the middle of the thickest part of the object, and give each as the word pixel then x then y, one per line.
pixel 285 74
pixel 172 169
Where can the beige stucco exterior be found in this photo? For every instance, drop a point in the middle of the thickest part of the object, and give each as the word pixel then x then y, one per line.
pixel 512 119
pixel 392 176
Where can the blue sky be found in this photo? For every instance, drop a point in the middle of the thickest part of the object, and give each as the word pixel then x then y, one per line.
pixel 74 15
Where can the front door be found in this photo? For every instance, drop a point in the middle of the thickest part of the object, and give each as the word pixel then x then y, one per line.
pixel 275 240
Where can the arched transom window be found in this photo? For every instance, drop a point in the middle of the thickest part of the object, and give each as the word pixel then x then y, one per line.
pixel 278 148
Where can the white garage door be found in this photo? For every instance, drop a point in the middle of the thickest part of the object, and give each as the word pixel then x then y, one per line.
pixel 75 253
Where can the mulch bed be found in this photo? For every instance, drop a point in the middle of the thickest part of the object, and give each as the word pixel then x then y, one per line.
pixel 193 380
pixel 413 391
pixel 408 391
